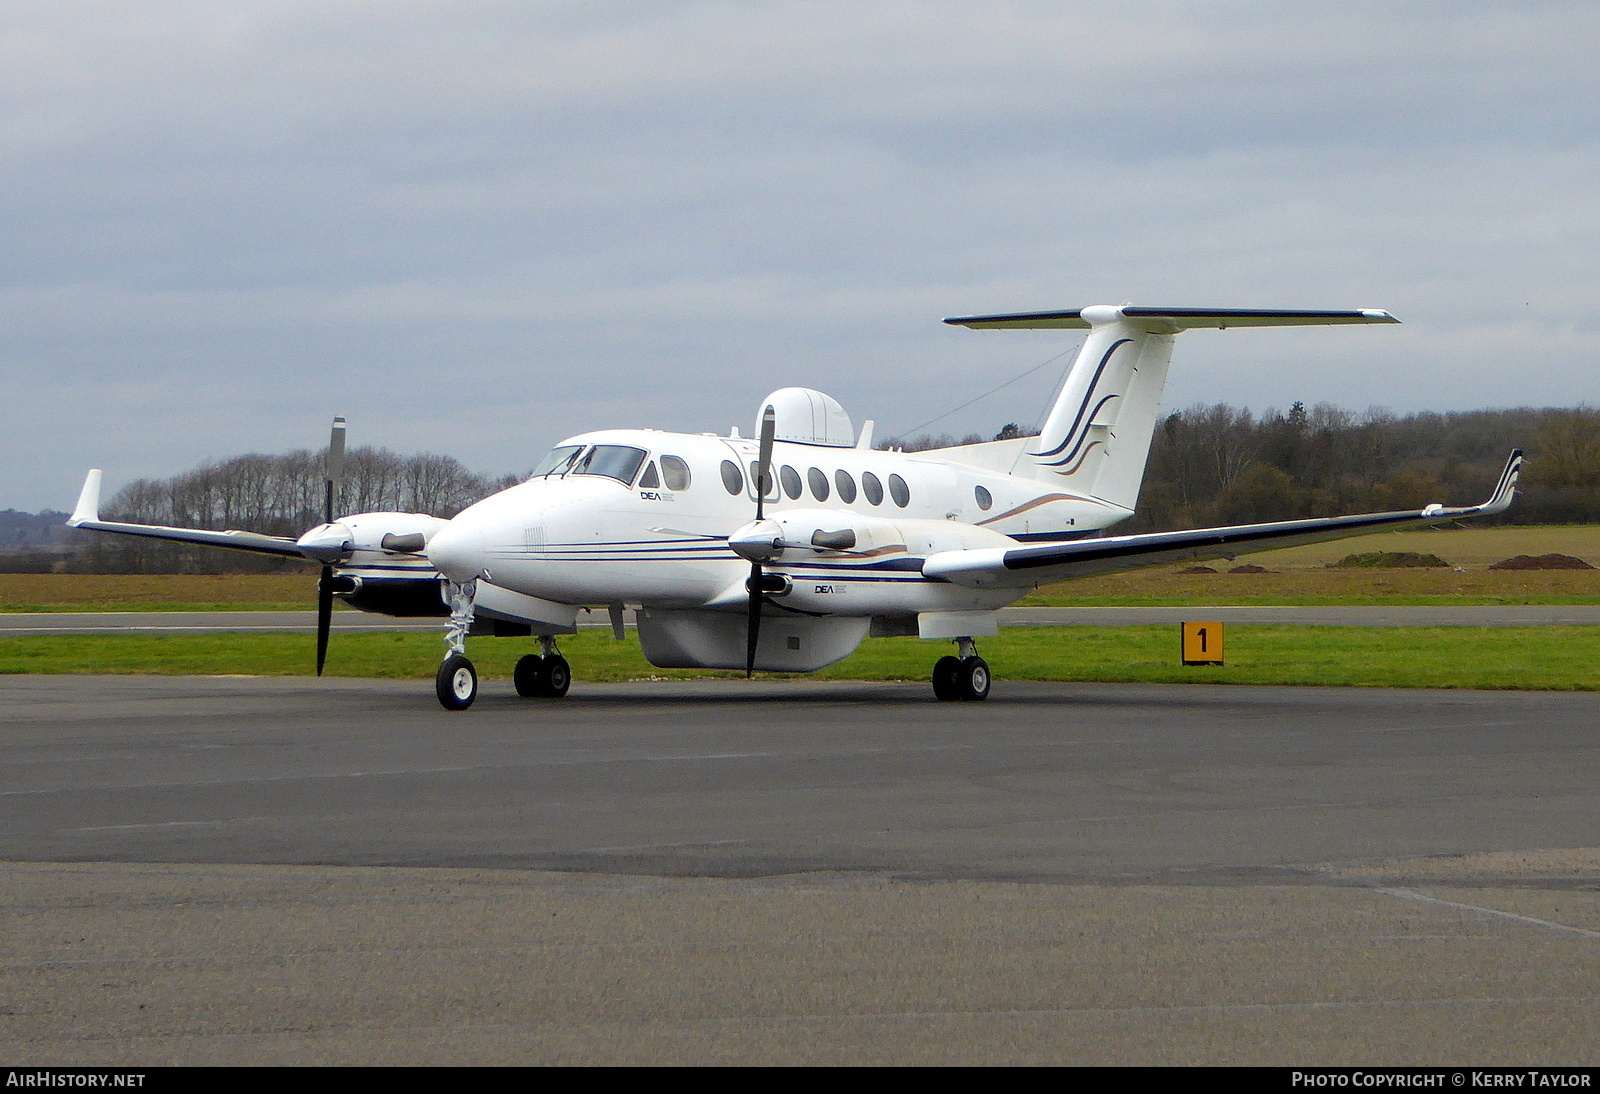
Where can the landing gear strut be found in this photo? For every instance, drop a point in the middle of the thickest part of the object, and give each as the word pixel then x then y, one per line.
pixel 544 675
pixel 456 682
pixel 963 677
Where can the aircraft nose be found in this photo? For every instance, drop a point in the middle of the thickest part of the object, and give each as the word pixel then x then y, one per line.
pixel 457 551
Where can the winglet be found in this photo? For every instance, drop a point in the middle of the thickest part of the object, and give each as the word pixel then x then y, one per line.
pixel 1507 486
pixel 88 510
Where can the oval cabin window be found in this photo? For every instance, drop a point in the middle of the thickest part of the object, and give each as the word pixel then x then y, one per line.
pixel 984 498
pixel 791 481
pixel 756 477
pixel 732 477
pixel 818 483
pixel 846 486
pixel 872 488
pixel 899 491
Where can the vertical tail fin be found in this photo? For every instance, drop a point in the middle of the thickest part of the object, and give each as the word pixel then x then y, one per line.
pixel 1096 438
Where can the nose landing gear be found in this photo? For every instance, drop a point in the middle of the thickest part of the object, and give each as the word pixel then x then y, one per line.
pixel 456 682
pixel 963 677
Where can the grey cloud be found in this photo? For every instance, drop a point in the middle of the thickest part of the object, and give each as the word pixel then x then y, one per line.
pixel 475 227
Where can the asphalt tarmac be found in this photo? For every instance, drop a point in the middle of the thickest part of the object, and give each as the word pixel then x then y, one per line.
pixel 221 870
pixel 1483 615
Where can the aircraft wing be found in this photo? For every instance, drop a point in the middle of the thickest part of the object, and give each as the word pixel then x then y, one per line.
pixel 87 515
pixel 1027 566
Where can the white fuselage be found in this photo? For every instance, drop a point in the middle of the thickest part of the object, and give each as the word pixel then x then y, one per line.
pixel 585 539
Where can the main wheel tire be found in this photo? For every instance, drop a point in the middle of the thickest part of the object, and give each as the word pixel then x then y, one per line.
pixel 972 678
pixel 945 672
pixel 456 683
pixel 542 676
pixel 557 676
pixel 528 676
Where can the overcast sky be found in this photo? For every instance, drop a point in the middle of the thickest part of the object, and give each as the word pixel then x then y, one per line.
pixel 476 227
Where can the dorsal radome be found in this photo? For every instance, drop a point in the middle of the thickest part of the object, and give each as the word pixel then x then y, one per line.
pixel 808 417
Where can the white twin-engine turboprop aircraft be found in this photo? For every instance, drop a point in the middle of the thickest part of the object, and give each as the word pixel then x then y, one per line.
pixel 783 551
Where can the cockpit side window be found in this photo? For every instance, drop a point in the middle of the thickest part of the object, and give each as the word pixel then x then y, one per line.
pixel 649 480
pixel 557 462
pixel 613 461
pixel 676 472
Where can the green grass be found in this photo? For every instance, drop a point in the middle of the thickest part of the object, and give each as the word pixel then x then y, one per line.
pixel 1164 586
pixel 1530 658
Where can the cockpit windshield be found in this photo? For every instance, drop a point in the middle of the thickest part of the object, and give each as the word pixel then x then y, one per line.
pixel 557 462
pixel 614 461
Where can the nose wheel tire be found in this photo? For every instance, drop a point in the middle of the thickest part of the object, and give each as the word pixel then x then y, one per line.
pixel 456 683
pixel 542 676
pixel 961 678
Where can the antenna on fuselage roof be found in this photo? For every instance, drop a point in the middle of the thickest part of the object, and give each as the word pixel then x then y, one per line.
pixel 1020 376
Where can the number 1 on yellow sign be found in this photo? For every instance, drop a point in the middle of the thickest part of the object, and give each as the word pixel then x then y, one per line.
pixel 1202 644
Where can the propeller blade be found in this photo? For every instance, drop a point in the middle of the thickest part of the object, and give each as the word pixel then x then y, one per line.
pixel 324 614
pixel 335 470
pixel 769 428
pixel 335 465
pixel 752 634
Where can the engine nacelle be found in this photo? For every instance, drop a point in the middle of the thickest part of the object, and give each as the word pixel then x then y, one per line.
pixel 379 532
pixel 805 534
pixel 808 533
pixel 406 597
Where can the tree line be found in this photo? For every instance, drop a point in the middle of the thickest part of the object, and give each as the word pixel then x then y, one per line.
pixel 1217 464
pixel 1209 465
pixel 280 495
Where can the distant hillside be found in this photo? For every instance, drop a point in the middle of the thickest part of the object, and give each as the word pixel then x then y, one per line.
pixel 31 531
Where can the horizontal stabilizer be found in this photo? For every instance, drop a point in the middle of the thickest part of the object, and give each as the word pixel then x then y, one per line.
pixel 1172 319
pixel 1024 567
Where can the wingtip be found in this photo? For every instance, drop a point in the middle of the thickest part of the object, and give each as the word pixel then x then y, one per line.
pixel 87 511
pixel 1506 489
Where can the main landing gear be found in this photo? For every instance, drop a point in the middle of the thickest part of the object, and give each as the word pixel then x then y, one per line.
pixel 544 675
pixel 963 677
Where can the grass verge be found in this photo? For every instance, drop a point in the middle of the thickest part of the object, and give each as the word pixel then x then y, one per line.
pixel 1163 586
pixel 1519 658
